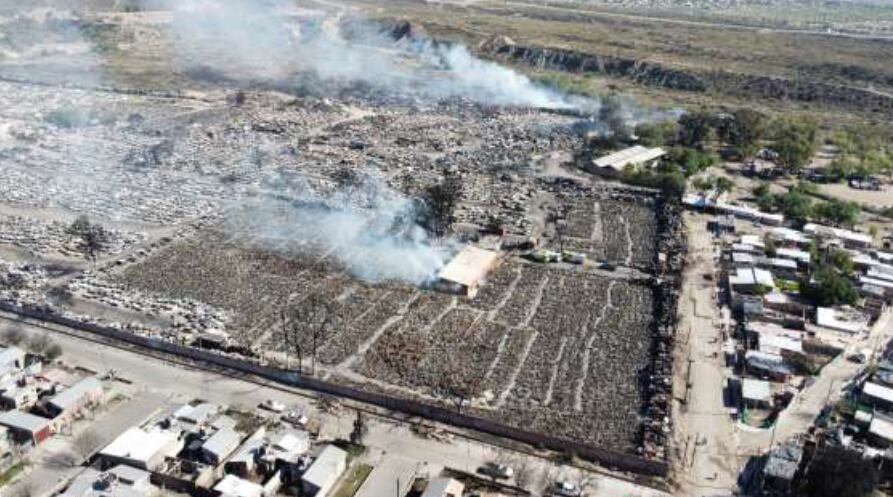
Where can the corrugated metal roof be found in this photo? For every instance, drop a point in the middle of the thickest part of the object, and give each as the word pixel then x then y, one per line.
pixel 222 443
pixel 755 389
pixel 73 395
pixel 23 421
pixel 632 155
pixel 469 266
pixel 326 468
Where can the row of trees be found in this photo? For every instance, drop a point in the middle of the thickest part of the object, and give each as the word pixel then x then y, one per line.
pixel 741 131
pixel 798 203
pixel 864 151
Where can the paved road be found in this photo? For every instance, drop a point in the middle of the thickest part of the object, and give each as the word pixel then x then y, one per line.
pixel 175 383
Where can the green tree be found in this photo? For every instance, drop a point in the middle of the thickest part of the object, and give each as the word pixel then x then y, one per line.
pixel 92 238
pixel 672 184
pixel 704 184
pixel 724 184
pixel 829 288
pixel 743 130
pixel 796 141
pixel 659 134
pixel 770 246
pixel 611 115
pixel 795 205
pixel 842 261
pixel 839 472
pixel 695 128
pixel 688 161
pixel 837 212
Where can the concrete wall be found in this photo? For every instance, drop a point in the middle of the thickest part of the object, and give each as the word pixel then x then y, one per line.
pixel 612 459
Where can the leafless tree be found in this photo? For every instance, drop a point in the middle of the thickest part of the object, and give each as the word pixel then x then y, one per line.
pixel 292 337
pixel 312 319
pixel 13 335
pixel 86 443
pixel 64 459
pixel 40 344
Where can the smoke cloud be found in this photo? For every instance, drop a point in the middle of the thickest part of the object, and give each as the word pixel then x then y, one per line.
pixel 367 228
pixel 243 40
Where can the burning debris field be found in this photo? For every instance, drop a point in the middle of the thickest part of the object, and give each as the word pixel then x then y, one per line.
pixel 325 233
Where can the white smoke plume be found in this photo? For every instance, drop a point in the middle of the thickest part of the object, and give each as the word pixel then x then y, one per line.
pixel 367 228
pixel 246 39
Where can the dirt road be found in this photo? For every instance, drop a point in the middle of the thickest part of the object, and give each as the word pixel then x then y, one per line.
pixel 705 439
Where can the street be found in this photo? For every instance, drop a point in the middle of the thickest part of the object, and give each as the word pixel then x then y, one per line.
pixel 157 384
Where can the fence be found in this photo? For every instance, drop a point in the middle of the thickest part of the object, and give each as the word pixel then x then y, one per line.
pixel 609 458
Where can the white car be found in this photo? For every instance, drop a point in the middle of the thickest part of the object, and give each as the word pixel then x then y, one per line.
pixel 273 405
pixel 295 417
pixel 566 489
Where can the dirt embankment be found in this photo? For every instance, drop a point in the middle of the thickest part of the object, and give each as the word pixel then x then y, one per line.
pixel 806 90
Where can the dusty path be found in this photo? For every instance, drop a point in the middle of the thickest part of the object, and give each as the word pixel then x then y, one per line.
pixel 705 439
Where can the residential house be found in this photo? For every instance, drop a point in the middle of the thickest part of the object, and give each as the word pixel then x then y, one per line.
pixel 323 474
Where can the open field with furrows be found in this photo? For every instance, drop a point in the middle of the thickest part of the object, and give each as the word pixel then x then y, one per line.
pixel 512 354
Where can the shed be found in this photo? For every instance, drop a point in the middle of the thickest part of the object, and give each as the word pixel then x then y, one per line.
pixel 613 164
pixel 142 449
pixel 71 401
pixel 880 431
pixel 444 487
pixel 801 257
pixel 743 259
pixel 198 414
pixel 782 466
pixel 242 463
pixel 769 365
pixel 756 393
pixel 846 321
pixel 321 476
pixel 876 395
pixel 27 427
pixel 220 445
pixel 233 486
pixel 13 356
pixel 789 236
pixel 465 272
pixel 852 239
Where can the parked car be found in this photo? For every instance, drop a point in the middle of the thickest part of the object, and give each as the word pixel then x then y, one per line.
pixel 566 489
pixel 295 417
pixel 859 357
pixel 273 405
pixel 496 470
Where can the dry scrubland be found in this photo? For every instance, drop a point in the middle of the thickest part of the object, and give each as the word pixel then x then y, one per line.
pixel 836 78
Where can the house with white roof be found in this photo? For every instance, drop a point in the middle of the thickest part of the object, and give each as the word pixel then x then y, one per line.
pixel 321 477
pixel 612 165
pixel 143 449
